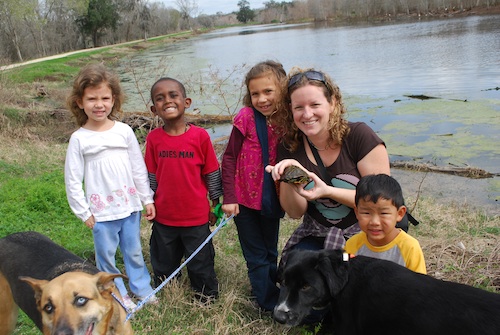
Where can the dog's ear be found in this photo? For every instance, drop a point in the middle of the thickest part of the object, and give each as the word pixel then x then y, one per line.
pixel 104 281
pixel 333 270
pixel 37 285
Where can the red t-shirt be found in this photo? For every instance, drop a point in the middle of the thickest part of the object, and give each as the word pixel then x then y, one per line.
pixel 180 164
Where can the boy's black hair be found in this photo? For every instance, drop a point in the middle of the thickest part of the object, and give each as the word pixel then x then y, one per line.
pixel 374 187
pixel 181 86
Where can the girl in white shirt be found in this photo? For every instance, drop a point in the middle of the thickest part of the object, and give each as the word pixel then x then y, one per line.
pixel 106 178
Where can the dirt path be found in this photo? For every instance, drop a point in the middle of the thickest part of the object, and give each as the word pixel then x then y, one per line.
pixel 38 60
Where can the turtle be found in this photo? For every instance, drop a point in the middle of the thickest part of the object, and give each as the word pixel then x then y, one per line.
pixel 294 175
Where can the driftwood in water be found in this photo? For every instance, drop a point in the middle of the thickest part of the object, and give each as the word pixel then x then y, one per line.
pixel 426 97
pixel 469 172
pixel 420 96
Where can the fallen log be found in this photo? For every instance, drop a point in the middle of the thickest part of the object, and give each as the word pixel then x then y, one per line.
pixel 147 121
pixel 469 172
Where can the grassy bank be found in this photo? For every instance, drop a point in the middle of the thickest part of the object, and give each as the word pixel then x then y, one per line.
pixel 459 243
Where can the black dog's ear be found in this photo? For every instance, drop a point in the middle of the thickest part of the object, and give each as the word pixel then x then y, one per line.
pixel 333 269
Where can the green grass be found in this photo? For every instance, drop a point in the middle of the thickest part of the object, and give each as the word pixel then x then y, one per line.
pixel 60 69
pixel 36 200
pixel 15 115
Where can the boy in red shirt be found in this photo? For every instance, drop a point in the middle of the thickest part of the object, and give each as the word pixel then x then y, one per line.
pixel 183 168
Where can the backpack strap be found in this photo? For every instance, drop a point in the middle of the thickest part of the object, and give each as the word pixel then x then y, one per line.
pixel 322 168
pixel 270 203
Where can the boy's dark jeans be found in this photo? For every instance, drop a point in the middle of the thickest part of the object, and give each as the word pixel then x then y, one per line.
pixel 168 245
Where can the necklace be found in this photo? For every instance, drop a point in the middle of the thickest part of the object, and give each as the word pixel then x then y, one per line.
pixel 315 147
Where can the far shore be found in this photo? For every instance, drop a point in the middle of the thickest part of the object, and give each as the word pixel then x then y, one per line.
pixel 490 10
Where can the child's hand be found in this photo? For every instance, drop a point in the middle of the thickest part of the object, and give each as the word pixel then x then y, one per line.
pixel 212 218
pixel 231 209
pixel 150 212
pixel 90 222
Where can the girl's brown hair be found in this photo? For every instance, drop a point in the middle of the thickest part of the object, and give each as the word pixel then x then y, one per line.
pixel 337 125
pixel 262 69
pixel 93 75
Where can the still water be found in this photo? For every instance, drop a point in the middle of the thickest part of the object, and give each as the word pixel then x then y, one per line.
pixel 456 61
pixel 452 58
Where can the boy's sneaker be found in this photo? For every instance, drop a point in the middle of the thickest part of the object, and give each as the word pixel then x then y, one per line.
pixel 127 301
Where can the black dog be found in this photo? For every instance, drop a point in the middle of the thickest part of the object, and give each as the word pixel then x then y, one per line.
pixel 373 296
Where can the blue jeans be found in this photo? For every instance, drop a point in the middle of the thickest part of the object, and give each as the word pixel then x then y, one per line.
pixel 258 237
pixel 124 233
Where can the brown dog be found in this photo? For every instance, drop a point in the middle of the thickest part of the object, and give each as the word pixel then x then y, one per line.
pixel 69 296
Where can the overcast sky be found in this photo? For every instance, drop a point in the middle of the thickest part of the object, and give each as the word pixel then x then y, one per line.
pixel 213 6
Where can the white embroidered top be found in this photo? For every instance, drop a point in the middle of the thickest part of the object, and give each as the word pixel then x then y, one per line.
pixel 105 174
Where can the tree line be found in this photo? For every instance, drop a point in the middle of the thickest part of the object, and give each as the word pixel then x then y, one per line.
pixel 37 28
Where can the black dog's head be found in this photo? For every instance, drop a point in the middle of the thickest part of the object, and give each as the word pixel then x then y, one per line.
pixel 310 280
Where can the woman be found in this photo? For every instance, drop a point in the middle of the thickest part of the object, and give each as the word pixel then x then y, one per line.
pixel 314 124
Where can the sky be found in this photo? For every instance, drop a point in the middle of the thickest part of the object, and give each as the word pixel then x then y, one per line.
pixel 210 7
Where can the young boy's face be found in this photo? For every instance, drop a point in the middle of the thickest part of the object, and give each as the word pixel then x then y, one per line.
pixel 168 100
pixel 378 220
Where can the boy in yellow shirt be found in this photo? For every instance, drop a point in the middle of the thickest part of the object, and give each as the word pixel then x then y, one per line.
pixel 379 206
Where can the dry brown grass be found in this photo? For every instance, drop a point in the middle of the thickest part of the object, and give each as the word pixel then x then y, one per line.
pixel 24 114
pixel 459 244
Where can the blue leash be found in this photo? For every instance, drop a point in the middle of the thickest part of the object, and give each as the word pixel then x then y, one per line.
pixel 209 237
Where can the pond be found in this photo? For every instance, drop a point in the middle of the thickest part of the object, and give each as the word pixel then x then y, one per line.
pixel 378 68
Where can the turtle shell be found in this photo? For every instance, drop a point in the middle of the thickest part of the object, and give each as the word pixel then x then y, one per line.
pixel 294 175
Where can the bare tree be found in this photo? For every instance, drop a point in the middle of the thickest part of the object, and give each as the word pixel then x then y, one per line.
pixel 188 9
pixel 13 13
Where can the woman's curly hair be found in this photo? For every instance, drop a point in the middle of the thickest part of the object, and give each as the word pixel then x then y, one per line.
pixel 338 126
pixel 93 75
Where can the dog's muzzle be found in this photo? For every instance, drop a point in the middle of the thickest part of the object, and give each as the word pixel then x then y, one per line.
pixel 283 314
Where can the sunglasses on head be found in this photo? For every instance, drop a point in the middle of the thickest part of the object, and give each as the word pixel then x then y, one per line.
pixel 311 75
